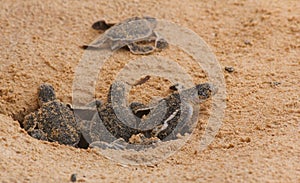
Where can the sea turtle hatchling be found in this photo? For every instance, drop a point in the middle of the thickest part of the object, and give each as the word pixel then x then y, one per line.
pixel 53 121
pixel 164 120
pixel 130 32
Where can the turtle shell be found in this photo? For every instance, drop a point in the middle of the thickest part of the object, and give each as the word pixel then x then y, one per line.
pixel 133 29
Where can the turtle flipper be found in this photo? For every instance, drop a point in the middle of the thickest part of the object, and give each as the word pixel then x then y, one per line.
pixel 38 134
pixel 116 116
pixel 99 43
pixel 140 49
pixel 139 109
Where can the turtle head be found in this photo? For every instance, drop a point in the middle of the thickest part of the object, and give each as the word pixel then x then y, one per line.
pixel 206 90
pixel 101 25
pixel 46 94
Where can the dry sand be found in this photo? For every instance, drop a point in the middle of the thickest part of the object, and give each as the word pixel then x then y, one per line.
pixel 259 138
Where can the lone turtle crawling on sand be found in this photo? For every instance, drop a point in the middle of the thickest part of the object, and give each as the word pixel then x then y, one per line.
pixel 131 33
pixel 53 121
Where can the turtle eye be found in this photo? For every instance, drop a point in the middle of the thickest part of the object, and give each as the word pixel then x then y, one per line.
pixel 69 106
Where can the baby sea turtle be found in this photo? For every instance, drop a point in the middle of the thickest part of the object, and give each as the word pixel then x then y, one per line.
pixel 164 120
pixel 53 121
pixel 130 32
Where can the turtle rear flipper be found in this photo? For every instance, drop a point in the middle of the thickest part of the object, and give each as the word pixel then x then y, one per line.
pixel 140 49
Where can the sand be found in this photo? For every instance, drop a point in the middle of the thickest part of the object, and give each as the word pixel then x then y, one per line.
pixel 259 137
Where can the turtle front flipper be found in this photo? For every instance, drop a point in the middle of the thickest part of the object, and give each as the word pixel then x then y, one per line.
pixel 154 118
pixel 38 134
pixel 30 124
pixel 116 116
pixel 99 43
pixel 139 109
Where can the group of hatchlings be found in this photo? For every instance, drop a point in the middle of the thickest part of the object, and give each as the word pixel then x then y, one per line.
pixel 57 122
